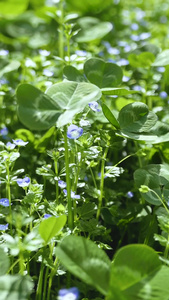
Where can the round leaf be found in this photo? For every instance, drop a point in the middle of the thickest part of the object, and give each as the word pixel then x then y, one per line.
pixel 162 59
pixel 102 74
pixel 85 260
pixel 135 117
pixel 72 98
pixel 15 287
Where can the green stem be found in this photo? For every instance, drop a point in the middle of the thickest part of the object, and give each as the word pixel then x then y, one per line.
pixel 51 279
pixel 101 182
pixel 166 247
pixel 40 283
pixel 70 210
pixel 94 181
pixel 45 283
pixel 9 195
pixel 68 50
pixel 57 188
pixel 61 31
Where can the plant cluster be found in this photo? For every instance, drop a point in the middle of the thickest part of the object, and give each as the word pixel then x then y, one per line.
pixel 84 159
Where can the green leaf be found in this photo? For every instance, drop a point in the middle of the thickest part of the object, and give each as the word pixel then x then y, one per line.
pixel 92 29
pixel 134 274
pixel 153 176
pixel 85 260
pixel 109 116
pixel 4 262
pixel 12 66
pixel 36 110
pixel 88 5
pixel 135 117
pixel 50 227
pixel 72 74
pixel 117 91
pixel 10 8
pixel 162 59
pixel 102 74
pixel 72 98
pixel 143 60
pixel 41 143
pixel 40 111
pixel 15 287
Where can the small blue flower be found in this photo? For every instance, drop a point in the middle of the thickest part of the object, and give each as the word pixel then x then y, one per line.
pixel 4 52
pixel 46 216
pixel 10 145
pixel 123 62
pixel 47 73
pixel 145 35
pixel 19 142
pixel 73 195
pixel 130 194
pixel 137 88
pixel 44 52
pixel 161 69
pixel 163 94
pixel 125 78
pixel 134 26
pixel 81 52
pixel 74 132
pixel 23 182
pixel 135 38
pixel 113 51
pixel 68 294
pixel 94 106
pixel 4 202
pixel 3 227
pixel 4 131
pixel 61 184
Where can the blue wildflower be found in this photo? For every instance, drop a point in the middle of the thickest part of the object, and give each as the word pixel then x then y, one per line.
pixel 113 51
pixel 129 194
pixel 4 202
pixel 123 62
pixel 4 52
pixel 125 78
pixel 145 35
pixel 23 182
pixel 10 145
pixel 135 38
pixel 19 142
pixel 4 131
pixel 163 94
pixel 44 52
pixel 94 106
pixel 46 216
pixel 81 52
pixel 134 26
pixel 3 227
pixel 74 132
pixel 68 294
pixel 73 195
pixel 47 73
pixel 61 184
pixel 161 69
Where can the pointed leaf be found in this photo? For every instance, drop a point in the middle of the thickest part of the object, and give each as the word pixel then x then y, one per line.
pixel 4 262
pixel 110 117
pixel 117 91
pixel 85 260
pixel 162 59
pixel 48 228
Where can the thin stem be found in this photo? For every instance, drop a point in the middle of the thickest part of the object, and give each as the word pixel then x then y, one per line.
pixel 68 50
pixel 40 283
pixel 51 278
pixel 57 188
pixel 70 210
pixel 102 182
pixel 9 195
pixel 61 31
pixel 94 181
